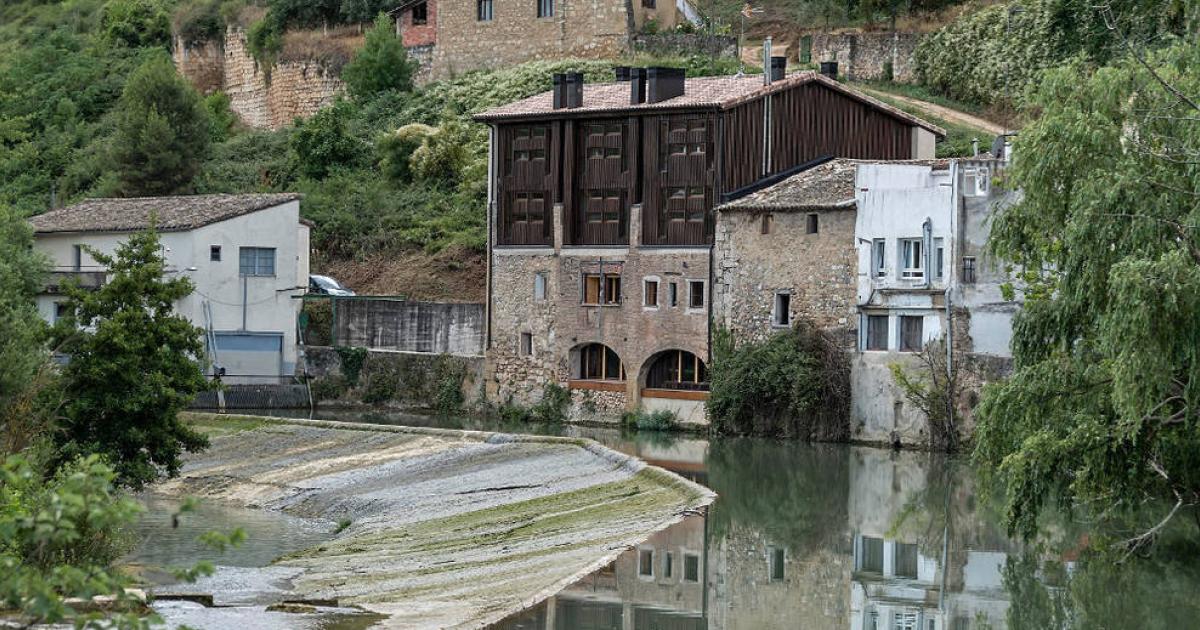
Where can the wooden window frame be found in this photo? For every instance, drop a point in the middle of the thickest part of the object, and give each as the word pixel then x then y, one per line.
pixel 650 293
pixel 691 293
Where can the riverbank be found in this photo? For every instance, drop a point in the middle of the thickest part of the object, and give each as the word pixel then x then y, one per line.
pixel 447 528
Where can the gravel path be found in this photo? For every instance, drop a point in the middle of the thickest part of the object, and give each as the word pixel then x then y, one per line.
pixel 450 529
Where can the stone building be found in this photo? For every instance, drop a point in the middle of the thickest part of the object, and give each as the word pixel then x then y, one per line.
pixel 601 221
pixel 455 36
pixel 924 276
pixel 787 252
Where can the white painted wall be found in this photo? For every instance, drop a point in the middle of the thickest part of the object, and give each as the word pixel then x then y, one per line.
pixel 239 304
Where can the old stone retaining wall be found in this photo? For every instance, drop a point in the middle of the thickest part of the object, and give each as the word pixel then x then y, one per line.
pixel 387 377
pixel 685 44
pixel 269 98
pixel 867 56
pixel 408 326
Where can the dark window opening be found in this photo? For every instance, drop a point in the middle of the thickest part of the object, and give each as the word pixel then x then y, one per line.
pixel 483 10
pixel 810 224
pixel 646 562
pixel 906 560
pixel 877 332
pixel 872 555
pixel 879 257
pixel 650 293
pixel 673 294
pixel 61 310
pixel 679 370
pixel 420 14
pixel 545 8
pixel 695 294
pixel 777 557
pixel 783 309
pixel 668 565
pixel 691 567
pixel 598 362
pixel 526 344
pixel 768 221
pixel 911 333
pixel 214 253
pixel 968 270
pixel 648 4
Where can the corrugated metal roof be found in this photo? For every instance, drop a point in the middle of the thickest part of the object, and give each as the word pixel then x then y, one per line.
pixel 170 214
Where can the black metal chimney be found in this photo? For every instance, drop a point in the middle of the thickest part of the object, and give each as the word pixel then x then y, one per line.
pixel 664 83
pixel 637 86
pixel 560 90
pixel 829 69
pixel 778 68
pixel 574 89
pixel 621 73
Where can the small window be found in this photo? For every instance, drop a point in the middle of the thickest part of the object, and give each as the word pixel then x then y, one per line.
pixel 775 556
pixel 879 257
pixel 526 344
pixel 872 555
pixel 650 293
pixel 877 332
pixel 77 261
pixel 646 563
pixel 61 310
pixel 911 333
pixel 968 270
pixel 257 261
pixel 598 362
pixel 691 567
pixel 420 14
pixel 912 261
pixel 668 565
pixel 601 289
pixel 782 316
pixel 539 286
pixel 545 8
pixel 648 4
pixel 673 294
pixel 906 560
pixel 810 223
pixel 214 253
pixel 483 10
pixel 768 221
pixel 939 257
pixel 696 293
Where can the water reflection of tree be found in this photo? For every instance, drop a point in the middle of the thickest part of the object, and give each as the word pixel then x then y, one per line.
pixel 793 494
pixel 1106 590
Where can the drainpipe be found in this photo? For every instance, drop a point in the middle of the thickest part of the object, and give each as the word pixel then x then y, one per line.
pixel 491 209
pixel 926 247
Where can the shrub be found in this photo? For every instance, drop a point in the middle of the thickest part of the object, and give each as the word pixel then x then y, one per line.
pixel 264 40
pixel 661 420
pixel 198 21
pixel 329 387
pixel 221 118
pixel 444 155
pixel 448 374
pixel 394 151
pixel 796 383
pixel 382 63
pixel 323 143
pixel 353 360
pixel 136 23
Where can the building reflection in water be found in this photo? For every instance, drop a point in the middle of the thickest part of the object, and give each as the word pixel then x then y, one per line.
pixel 848 538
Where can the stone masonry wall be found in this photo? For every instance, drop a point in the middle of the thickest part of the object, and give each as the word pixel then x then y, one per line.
pixel 864 56
pixel 580 28
pixel 819 270
pixel 262 98
pixel 685 44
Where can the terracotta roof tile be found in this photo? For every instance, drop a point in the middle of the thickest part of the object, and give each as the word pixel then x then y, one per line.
pixel 172 214
pixel 721 92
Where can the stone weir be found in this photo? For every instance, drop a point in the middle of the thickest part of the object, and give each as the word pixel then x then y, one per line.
pixel 449 529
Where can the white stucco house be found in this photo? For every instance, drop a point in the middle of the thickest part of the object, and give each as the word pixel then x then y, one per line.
pixel 923 275
pixel 247 255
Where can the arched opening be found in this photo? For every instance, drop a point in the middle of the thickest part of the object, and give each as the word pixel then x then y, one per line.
pixel 598 362
pixel 677 370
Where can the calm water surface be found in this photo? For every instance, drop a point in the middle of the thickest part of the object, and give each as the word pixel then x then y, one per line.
pixel 830 536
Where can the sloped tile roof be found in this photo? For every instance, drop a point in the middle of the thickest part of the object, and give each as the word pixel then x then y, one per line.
pixel 825 186
pixel 171 214
pixel 722 92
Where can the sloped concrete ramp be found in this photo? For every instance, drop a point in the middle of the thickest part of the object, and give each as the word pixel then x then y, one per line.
pixel 450 529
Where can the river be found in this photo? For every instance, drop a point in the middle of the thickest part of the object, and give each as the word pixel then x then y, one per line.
pixel 836 536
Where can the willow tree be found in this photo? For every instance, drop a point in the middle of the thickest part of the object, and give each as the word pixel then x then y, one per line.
pixel 1103 407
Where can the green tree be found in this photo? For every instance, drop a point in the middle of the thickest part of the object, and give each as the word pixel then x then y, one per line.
pixel 137 23
pixel 1103 407
pixel 134 367
pixel 162 132
pixel 323 143
pixel 382 63
pixel 22 334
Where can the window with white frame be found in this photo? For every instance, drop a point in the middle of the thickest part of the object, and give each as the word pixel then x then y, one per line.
pixel 912 260
pixel 939 258
pixel 256 261
pixel 782 314
pixel 879 257
pixel 976 181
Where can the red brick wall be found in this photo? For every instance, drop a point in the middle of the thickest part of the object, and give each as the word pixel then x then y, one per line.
pixel 422 35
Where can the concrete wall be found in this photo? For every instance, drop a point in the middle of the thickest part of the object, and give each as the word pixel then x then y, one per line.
pixel 269 98
pixel 816 270
pixel 410 376
pixel 239 305
pixel 864 56
pixel 398 324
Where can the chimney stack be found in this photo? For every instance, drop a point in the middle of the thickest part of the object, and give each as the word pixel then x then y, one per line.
pixel 574 90
pixel 560 90
pixel 621 73
pixel 778 68
pixel 664 83
pixel 829 69
pixel 637 86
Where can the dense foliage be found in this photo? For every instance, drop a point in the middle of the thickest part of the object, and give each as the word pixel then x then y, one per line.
pixel 382 63
pixel 794 384
pixel 995 53
pixel 21 334
pixel 133 369
pixel 1104 405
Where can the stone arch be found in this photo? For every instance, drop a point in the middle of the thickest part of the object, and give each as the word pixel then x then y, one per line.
pixel 595 361
pixel 674 369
